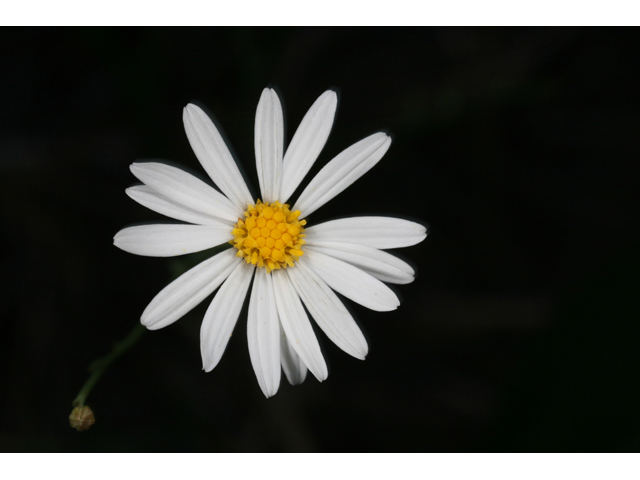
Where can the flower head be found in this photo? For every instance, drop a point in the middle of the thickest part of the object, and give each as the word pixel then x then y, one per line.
pixel 291 262
pixel 81 418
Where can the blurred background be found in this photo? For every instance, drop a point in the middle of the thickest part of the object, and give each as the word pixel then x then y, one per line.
pixel 519 148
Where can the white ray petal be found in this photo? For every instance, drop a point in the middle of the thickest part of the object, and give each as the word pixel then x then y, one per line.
pixel 342 171
pixel 376 232
pixel 263 333
pixel 307 143
pixel 381 265
pixel 214 155
pixel 148 197
pixel 293 366
pixel 170 240
pixel 296 325
pixel 269 144
pixel 328 311
pixel 352 282
pixel 222 315
pixel 188 290
pixel 185 189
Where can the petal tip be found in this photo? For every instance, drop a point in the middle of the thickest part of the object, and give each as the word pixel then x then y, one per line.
pixel 389 307
pixel 297 380
pixel 360 354
pixel 332 98
pixel 116 239
pixel 190 110
pixel 207 368
pixel 270 392
pixel 330 94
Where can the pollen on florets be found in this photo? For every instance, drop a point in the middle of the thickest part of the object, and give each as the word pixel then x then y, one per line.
pixel 270 236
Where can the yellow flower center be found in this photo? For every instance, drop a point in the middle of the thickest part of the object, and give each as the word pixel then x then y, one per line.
pixel 270 236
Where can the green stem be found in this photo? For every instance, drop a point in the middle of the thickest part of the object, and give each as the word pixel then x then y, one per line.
pixel 99 366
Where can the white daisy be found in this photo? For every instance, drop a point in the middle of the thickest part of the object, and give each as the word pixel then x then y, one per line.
pixel 293 263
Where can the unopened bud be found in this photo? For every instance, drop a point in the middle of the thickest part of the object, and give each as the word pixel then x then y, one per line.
pixel 81 418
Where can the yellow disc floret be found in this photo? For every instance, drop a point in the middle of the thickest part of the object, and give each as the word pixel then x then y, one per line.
pixel 270 236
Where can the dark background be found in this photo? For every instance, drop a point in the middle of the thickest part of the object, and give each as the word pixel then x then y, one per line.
pixel 519 147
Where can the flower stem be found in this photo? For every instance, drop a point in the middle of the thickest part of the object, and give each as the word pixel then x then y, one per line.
pixel 99 366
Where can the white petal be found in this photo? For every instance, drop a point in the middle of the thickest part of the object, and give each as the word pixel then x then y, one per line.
pixel 342 171
pixel 188 290
pixel 214 155
pixel 352 282
pixel 170 240
pixel 328 311
pixel 222 315
pixel 269 144
pixel 293 366
pixel 307 143
pixel 148 197
pixel 263 333
pixel 376 232
pixel 381 265
pixel 186 189
pixel 297 326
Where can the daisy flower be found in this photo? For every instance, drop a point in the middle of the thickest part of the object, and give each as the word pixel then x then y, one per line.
pixel 293 264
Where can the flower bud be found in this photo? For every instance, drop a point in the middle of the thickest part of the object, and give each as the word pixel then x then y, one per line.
pixel 81 418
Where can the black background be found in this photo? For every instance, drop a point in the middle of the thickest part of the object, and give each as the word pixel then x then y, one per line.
pixel 519 147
